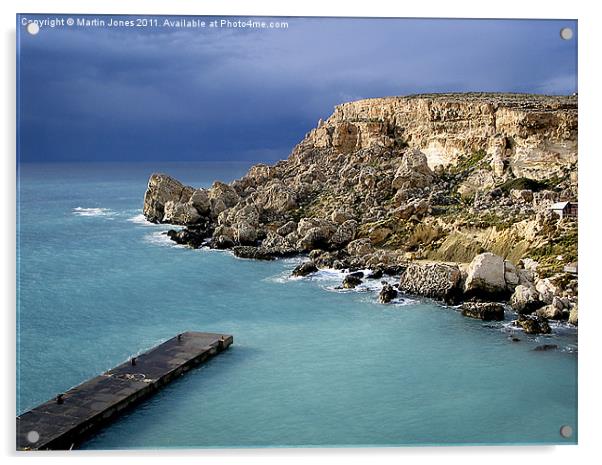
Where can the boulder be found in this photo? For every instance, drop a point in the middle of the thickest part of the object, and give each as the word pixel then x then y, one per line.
pixel 436 280
pixel 351 281
pixel 404 211
pixel 379 234
pixel 413 171
pixel 241 213
pixel 315 238
pixel 276 198
pixel 224 192
pixel 245 234
pixel 305 268
pixel 550 312
pixel 387 293
pixel 533 325
pixel 200 200
pixel 486 276
pixel 376 274
pixel 344 234
pixel 486 311
pixel 525 299
pixel 190 237
pixel 339 216
pixel 574 316
pixel 511 275
pixel 255 253
pixel 522 195
pixel 287 228
pixel 217 207
pixel 162 189
pixel 222 242
pixel 360 247
pixel 180 213
pixel 547 290
pixel 394 270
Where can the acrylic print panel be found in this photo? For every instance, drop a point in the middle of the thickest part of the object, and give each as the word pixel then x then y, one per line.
pixel 340 232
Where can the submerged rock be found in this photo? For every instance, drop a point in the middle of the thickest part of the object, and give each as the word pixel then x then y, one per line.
pixel 546 347
pixel 486 311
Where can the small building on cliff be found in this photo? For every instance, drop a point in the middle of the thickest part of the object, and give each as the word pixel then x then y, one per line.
pixel 565 209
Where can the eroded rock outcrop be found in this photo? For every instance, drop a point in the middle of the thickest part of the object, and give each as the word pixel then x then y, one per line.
pixel 437 280
pixel 162 189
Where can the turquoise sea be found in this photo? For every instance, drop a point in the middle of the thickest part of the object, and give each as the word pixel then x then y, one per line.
pixel 310 365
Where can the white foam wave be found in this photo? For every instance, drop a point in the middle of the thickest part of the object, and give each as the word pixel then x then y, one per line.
pixel 141 219
pixel 81 211
pixel 331 280
pixel 161 239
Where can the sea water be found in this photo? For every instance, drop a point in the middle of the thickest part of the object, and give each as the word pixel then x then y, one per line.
pixel 311 365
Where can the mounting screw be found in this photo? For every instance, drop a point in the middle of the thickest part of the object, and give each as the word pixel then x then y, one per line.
pixel 566 431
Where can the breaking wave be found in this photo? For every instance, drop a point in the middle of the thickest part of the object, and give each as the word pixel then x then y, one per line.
pixel 81 211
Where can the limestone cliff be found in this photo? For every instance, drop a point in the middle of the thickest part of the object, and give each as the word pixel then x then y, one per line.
pixel 532 136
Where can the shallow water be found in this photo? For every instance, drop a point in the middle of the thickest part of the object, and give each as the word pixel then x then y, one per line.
pixel 310 365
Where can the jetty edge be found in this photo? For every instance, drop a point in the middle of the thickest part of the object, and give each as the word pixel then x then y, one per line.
pixel 70 418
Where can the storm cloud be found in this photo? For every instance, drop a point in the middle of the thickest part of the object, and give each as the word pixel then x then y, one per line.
pixel 131 94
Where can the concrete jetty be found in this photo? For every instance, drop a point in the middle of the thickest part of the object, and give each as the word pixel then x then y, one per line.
pixel 67 420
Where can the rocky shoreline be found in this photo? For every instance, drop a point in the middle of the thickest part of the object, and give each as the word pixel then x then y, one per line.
pixel 452 194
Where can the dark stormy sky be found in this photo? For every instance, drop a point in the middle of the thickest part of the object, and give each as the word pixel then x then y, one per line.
pixel 134 94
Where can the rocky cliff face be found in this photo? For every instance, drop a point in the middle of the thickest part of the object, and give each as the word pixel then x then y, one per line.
pixel 383 181
pixel 529 135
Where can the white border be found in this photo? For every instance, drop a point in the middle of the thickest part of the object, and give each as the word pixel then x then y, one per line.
pixel 590 388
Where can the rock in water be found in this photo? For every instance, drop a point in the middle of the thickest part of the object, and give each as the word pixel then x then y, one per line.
pixel 533 325
pixel 351 281
pixel 190 237
pixel 257 253
pixel 387 294
pixel 486 311
pixel 305 268
pixel 485 277
pixel 162 189
pixel 376 274
pixel 437 280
